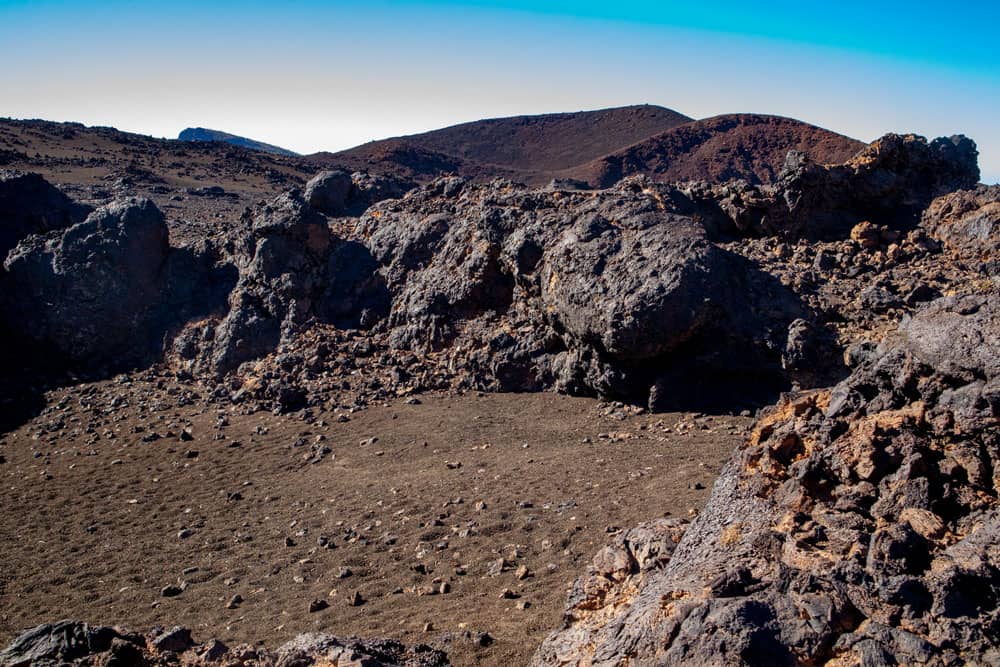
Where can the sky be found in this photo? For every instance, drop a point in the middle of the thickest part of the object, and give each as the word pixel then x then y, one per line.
pixel 312 76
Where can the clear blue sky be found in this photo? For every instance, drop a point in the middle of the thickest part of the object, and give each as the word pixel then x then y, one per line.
pixel 326 75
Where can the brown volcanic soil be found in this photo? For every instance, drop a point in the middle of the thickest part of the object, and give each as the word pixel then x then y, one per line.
pixel 93 512
pixel 748 146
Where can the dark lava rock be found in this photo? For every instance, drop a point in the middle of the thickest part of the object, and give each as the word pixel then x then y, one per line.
pixel 76 643
pixel 328 191
pixel 57 643
pixel 338 193
pixel 29 205
pixel 591 293
pixel 292 270
pixel 857 525
pixel 104 293
pixel 888 183
pixel 967 223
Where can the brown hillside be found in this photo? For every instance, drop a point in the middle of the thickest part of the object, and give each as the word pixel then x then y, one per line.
pixel 748 146
pixel 527 148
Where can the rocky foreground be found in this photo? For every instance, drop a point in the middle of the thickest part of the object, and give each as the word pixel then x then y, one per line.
pixel 856 526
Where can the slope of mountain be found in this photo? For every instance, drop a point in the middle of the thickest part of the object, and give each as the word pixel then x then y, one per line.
pixel 748 146
pixel 526 148
pixel 203 134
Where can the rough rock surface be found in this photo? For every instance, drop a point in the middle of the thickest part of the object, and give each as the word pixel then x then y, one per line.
pixel 889 182
pixel 967 222
pixel 856 526
pixel 76 643
pixel 338 193
pixel 292 269
pixel 595 293
pixel 30 205
pixel 105 292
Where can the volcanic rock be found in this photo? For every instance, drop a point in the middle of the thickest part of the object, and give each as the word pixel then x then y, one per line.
pixel 104 292
pixel 888 183
pixel 76 643
pixel 967 222
pixel 856 524
pixel 30 205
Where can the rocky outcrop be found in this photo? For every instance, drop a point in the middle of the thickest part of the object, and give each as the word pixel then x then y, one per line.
pixel 605 293
pixel 105 292
pixel 856 526
pixel 292 270
pixel 77 643
pixel 30 205
pixel 967 223
pixel 889 182
pixel 338 193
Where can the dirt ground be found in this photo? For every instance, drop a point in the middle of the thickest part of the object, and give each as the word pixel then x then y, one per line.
pixel 413 507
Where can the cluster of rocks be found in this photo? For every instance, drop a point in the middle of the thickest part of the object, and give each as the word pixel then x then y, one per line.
pixel 857 525
pixel 623 293
pixel 77 643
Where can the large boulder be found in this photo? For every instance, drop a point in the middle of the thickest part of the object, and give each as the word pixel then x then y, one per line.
pixel 597 293
pixel 328 191
pixel 88 293
pixel 30 205
pixel 338 193
pixel 967 223
pixel 856 526
pixel 292 270
pixel 105 293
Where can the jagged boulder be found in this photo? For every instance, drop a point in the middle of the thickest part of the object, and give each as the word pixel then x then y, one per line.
pixel 76 643
pixel 890 183
pixel 967 223
pixel 856 526
pixel 328 191
pixel 338 193
pixel 90 292
pixel 601 293
pixel 106 292
pixel 292 270
pixel 30 205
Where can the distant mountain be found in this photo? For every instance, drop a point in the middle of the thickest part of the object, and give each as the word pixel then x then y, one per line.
pixel 600 148
pixel 748 146
pixel 203 134
pixel 524 148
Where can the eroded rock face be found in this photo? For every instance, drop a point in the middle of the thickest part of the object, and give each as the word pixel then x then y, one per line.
pixel 602 293
pixel 888 183
pixel 292 270
pixel 30 205
pixel 338 193
pixel 77 643
pixel 967 223
pixel 89 292
pixel 857 525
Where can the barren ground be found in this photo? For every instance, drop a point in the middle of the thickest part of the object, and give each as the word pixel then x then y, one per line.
pixel 92 521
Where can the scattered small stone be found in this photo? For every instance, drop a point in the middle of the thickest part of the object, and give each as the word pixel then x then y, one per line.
pixel 171 590
pixel 318 605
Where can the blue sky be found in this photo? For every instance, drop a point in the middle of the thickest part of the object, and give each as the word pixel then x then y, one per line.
pixel 327 75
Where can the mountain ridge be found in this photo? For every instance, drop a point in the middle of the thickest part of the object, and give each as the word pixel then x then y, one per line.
pixel 205 134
